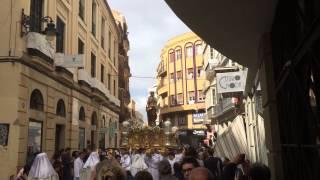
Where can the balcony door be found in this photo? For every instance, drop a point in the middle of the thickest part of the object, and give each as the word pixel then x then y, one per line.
pixel 36 12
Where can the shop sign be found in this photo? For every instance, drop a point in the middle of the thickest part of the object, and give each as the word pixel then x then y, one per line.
pixel 231 81
pixel 198 118
pixel 198 132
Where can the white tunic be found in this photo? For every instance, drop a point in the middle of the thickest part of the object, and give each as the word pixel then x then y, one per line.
pixel 42 169
pixel 153 164
pixel 125 162
pixel 138 164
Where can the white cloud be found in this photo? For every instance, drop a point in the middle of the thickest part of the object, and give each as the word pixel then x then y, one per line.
pixel 151 23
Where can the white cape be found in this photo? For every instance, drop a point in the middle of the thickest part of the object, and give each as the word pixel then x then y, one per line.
pixel 138 164
pixel 89 166
pixel 42 169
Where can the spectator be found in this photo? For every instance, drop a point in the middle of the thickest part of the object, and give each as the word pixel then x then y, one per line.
pixel 201 173
pixel 259 171
pixel 78 165
pixel 143 175
pixel 187 164
pixel 177 171
pixel 165 172
pixel 214 164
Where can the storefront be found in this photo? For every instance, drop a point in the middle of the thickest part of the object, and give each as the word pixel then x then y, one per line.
pixel 192 137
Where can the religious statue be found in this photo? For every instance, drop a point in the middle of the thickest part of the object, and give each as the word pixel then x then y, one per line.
pixel 152 109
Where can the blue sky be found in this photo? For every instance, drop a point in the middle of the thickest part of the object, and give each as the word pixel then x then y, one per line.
pixel 151 23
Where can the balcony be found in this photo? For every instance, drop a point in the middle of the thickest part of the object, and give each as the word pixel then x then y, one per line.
pixel 222 107
pixel 162 71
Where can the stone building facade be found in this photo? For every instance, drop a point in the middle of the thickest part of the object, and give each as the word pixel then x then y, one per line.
pixel 57 93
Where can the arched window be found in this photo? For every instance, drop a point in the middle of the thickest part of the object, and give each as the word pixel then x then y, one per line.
pixel 82 114
pixel 61 108
pixel 94 118
pixel 36 100
pixel 103 122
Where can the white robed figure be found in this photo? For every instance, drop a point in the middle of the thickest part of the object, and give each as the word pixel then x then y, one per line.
pixel 138 163
pixel 42 169
pixel 153 164
pixel 126 162
pixel 88 171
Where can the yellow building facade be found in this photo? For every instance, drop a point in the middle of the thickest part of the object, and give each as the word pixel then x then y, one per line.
pixel 180 82
pixel 47 103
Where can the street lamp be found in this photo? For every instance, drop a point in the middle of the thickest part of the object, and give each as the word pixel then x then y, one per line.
pixel 50 31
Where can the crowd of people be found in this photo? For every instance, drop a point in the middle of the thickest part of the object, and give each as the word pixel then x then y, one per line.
pixel 185 163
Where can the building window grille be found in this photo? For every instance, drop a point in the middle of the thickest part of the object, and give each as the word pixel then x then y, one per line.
pixel 179 75
pixel 61 108
pixel 80 47
pixel 103 23
pixel 189 51
pixel 102 73
pixel 81 9
pixel 94 18
pixel 190 73
pixel 60 36
pixel 180 99
pixel 93 65
pixel 82 114
pixel 191 97
pixel 36 100
pixel 171 57
pixel 199 49
pixel 109 82
pixel 201 96
pixel 173 100
pixel 109 45
pixel 36 8
pixel 178 54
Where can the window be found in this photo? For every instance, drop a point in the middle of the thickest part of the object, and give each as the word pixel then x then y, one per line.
pixel 190 73
pixel 171 77
pixel 60 36
pixel 102 73
pixel 109 81
pixel 109 45
pixel 82 138
pixel 80 47
pixel 94 18
pixel 115 53
pixel 94 118
pixel 81 9
pixel 36 15
pixel 178 54
pixel 211 53
pixel 172 100
pixel 82 114
pixel 191 96
pixel 114 87
pixel 201 96
pixel 214 98
pixel 93 65
pixel 189 51
pixel 103 23
pixel 199 49
pixel 182 120
pixel 171 56
pixel 179 75
pixel 199 71
pixel 61 109
pixel 36 100
pixel 34 139
pixel 180 99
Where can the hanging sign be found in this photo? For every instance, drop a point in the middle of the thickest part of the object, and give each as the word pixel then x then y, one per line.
pixel 231 81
